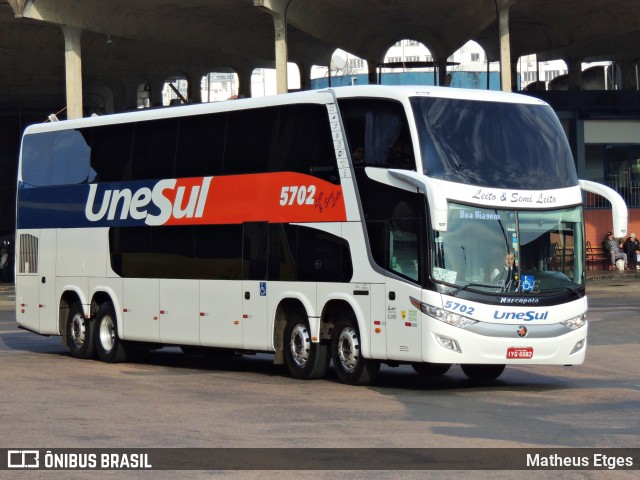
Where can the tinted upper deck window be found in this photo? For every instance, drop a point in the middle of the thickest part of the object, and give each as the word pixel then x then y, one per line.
pixel 493 144
pixel 55 158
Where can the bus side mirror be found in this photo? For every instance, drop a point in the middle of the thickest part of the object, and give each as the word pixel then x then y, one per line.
pixel 618 207
pixel 436 197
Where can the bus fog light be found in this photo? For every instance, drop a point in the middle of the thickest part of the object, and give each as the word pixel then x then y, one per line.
pixel 448 343
pixel 578 346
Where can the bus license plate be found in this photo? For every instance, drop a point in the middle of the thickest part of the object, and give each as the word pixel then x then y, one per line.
pixel 520 352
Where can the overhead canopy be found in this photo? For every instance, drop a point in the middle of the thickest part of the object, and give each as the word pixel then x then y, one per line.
pixel 126 42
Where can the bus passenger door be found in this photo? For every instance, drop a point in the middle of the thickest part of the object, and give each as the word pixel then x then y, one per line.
pixel 254 315
pixel 255 250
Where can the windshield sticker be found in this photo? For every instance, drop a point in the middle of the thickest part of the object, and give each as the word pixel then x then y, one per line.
pixel 479 215
pixel 444 275
pixel 527 283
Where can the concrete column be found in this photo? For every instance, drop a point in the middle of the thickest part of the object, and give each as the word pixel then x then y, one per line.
pixel 280 27
pixel 372 71
pixel 442 71
pixel 505 47
pixel 130 88
pixel 194 87
pixel 278 10
pixel 73 69
pixel 628 70
pixel 305 75
pixel 155 95
pixel 576 141
pixel 117 89
pixel 575 73
pixel 244 82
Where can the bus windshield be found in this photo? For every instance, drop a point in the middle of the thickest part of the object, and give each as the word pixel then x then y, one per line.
pixel 493 144
pixel 498 251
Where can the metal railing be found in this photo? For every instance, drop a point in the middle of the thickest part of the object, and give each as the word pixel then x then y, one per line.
pixel 630 191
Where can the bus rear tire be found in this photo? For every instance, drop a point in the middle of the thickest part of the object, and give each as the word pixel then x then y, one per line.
pixel 109 347
pixel 305 360
pixel 350 366
pixel 482 372
pixel 431 369
pixel 79 333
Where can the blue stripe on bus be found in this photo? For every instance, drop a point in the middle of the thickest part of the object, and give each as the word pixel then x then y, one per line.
pixel 64 206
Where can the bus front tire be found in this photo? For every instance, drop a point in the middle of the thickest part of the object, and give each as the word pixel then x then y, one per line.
pixel 79 333
pixel 350 366
pixel 109 347
pixel 431 369
pixel 305 360
pixel 482 372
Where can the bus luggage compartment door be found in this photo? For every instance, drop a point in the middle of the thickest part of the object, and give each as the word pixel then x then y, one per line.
pixel 403 323
pixel 36 305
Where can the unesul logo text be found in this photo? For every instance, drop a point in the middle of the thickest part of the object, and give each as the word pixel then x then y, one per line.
pixel 170 199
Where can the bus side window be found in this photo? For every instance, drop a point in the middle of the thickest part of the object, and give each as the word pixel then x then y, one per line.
pixel 200 145
pixel 324 258
pixel 255 247
pixel 218 252
pixel 282 252
pixel 250 142
pixel 305 144
pixel 111 152
pixel 154 149
pixel 56 158
pixel 380 127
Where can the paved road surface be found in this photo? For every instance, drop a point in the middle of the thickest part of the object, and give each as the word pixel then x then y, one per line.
pixel 50 400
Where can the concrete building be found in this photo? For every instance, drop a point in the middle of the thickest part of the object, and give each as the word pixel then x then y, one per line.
pixel 74 58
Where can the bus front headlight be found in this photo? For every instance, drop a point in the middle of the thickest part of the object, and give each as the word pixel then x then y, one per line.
pixel 445 316
pixel 575 322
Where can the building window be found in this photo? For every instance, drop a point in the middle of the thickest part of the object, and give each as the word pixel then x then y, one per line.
pixel 356 63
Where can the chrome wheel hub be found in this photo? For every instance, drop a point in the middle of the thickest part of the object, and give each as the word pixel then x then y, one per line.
pixel 348 349
pixel 107 333
pixel 78 330
pixel 300 344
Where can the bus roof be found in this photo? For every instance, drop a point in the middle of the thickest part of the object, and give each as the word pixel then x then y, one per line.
pixel 397 92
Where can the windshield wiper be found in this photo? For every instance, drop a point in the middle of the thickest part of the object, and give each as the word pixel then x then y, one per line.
pixel 573 290
pixel 464 287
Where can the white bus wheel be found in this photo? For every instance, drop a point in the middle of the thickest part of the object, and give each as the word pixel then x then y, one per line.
pixel 350 366
pixel 306 360
pixel 110 348
pixel 79 333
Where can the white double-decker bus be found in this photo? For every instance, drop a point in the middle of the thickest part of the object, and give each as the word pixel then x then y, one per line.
pixel 358 225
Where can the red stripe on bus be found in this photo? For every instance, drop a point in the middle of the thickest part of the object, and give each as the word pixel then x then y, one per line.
pixel 267 197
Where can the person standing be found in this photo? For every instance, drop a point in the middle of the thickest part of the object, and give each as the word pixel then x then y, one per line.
pixel 613 248
pixel 632 247
pixel 4 265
